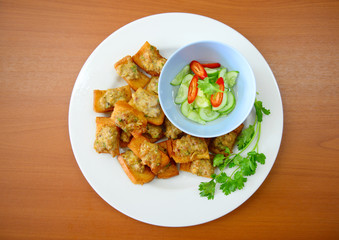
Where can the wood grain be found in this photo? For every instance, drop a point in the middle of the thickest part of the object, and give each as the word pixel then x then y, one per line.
pixel 43 45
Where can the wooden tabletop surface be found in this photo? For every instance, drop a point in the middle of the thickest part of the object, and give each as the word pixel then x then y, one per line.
pixel 43 45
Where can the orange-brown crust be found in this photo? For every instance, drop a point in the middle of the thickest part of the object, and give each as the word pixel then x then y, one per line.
pixel 135 145
pixel 135 83
pixel 186 159
pixel 171 169
pixel 98 94
pixel 154 120
pixel 151 139
pixel 122 108
pixel 123 144
pixel 135 176
pixel 213 148
pixel 106 121
pixel 187 167
pixel 139 59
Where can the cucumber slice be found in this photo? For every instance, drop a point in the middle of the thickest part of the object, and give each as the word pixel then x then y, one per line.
pixel 207 114
pixel 222 73
pixel 230 103
pixel 194 116
pixel 187 79
pixel 231 78
pixel 201 101
pixel 180 76
pixel 212 72
pixel 182 94
pixel 223 102
pixel 229 110
pixel 186 108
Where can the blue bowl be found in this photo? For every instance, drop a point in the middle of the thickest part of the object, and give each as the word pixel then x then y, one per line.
pixel 208 51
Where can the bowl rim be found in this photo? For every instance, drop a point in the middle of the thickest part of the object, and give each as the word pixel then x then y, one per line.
pixel 220 133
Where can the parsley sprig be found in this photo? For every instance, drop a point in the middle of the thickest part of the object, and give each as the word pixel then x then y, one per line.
pixel 245 164
pixel 208 87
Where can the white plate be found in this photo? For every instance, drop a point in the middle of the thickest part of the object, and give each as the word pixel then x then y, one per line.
pixel 176 201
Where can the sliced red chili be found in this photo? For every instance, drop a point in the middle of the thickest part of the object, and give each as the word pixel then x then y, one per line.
pixel 216 98
pixel 192 89
pixel 211 65
pixel 221 83
pixel 198 69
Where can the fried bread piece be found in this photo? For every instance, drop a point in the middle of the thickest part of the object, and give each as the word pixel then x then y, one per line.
pixel 171 131
pixel 200 167
pixel 128 118
pixel 171 169
pixel 135 170
pixel 149 59
pixel 187 149
pixel 125 138
pixel 107 136
pixel 104 100
pixel 219 144
pixel 148 103
pixel 152 86
pixel 129 71
pixel 153 132
pixel 149 153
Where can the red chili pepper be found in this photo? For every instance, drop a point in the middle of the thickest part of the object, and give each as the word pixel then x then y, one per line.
pixel 198 69
pixel 192 89
pixel 211 65
pixel 216 98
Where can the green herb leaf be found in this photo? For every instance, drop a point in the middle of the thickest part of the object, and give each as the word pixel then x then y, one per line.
pixel 245 137
pixel 246 165
pixel 240 180
pixel 229 186
pixel 259 110
pixel 207 189
pixel 207 86
pixel 218 160
pixel 227 150
pixel 257 157
pixel 221 178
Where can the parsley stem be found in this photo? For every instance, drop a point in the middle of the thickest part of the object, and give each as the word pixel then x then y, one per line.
pixel 257 130
pixel 258 138
pixel 235 171
pixel 254 135
pixel 229 160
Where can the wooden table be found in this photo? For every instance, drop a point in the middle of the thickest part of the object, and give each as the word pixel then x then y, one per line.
pixel 43 47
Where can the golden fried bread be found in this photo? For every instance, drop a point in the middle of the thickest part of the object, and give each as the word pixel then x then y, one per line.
pixel 153 132
pixel 128 118
pixel 149 59
pixel 129 71
pixel 148 103
pixel 171 169
pixel 152 86
pixel 219 144
pixel 149 153
pixel 187 149
pixel 125 138
pixel 171 131
pixel 104 100
pixel 135 170
pixel 201 167
pixel 107 136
